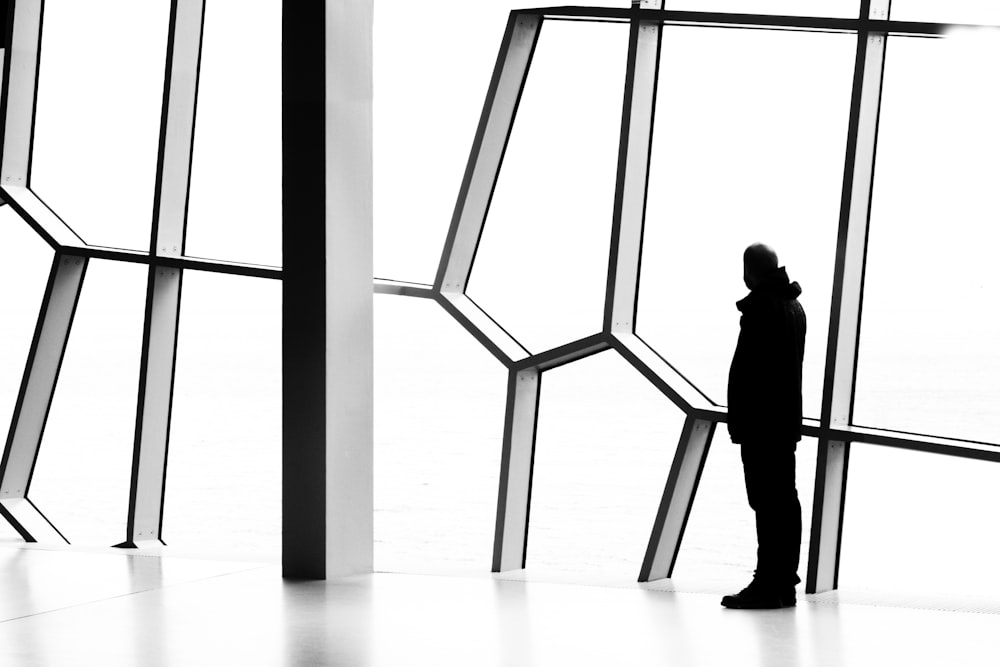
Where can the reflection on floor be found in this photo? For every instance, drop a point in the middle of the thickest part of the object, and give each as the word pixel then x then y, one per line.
pixel 67 607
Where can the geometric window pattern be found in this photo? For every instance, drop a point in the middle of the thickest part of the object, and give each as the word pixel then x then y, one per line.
pixel 167 261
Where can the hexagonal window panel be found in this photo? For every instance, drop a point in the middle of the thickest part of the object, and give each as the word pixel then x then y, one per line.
pixel 541 266
pixel 928 359
pixel 744 150
pixel 91 425
pixel 95 149
pixel 234 211
pixel 599 467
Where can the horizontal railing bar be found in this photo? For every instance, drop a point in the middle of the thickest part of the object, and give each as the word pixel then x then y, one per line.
pixel 404 288
pixel 183 262
pixel 827 24
pixel 564 354
pixel 896 433
pixel 968 449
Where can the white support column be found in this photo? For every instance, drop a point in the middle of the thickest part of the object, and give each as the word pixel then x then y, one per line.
pixel 678 498
pixel 845 310
pixel 633 176
pixel 510 543
pixel 487 152
pixel 38 386
pixel 327 448
pixel 163 295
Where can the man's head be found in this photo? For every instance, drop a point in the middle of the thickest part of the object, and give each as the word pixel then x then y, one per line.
pixel 758 261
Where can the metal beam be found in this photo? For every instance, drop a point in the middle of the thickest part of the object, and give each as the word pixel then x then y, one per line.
pixel 678 498
pixel 622 296
pixel 664 377
pixel 38 385
pixel 486 330
pixel 564 354
pixel 403 288
pixel 510 542
pixel 163 292
pixel 845 309
pixel 873 22
pixel 488 149
pixel 42 219
pixel 20 93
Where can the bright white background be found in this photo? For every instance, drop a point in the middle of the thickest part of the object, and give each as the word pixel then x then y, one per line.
pixel 748 145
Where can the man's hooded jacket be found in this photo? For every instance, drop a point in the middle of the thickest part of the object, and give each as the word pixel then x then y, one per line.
pixel 765 379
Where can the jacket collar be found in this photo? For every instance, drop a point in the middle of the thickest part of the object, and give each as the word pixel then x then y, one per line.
pixel 775 285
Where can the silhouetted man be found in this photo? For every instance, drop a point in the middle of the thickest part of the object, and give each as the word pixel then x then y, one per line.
pixel 765 419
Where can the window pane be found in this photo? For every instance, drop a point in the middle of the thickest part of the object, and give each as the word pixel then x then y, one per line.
pixel 235 207
pixel 601 462
pixel 223 494
pixel 439 400
pixel 920 521
pixel 720 541
pixel 95 148
pixel 430 83
pixel 833 8
pixel 541 267
pixel 745 149
pixel 84 467
pixel 954 11
pixel 928 359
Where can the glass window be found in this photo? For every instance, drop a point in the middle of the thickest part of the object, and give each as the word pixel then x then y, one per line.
pixel 916 521
pixel 720 541
pixel 600 468
pixel 541 268
pixel 25 261
pixel 84 468
pixel 981 12
pixel 95 148
pixel 235 207
pixel 831 8
pixel 745 149
pixel 430 82
pixel 223 492
pixel 928 358
pixel 439 415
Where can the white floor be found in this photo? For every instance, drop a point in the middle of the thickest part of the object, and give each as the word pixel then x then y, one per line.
pixel 68 607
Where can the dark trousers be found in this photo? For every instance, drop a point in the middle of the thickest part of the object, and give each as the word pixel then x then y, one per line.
pixel 769 471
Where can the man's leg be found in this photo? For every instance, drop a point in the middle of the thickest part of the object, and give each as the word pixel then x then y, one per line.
pixel 769 472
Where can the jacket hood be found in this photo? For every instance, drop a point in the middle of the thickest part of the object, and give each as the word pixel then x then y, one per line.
pixel 775 284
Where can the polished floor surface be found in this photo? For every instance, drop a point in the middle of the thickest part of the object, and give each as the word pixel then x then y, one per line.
pixel 69 607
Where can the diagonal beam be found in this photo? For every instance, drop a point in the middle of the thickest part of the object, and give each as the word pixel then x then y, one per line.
pixel 163 292
pixel 845 309
pixel 487 153
pixel 38 386
pixel 678 498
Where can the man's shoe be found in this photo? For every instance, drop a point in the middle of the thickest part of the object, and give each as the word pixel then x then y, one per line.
pixel 756 596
